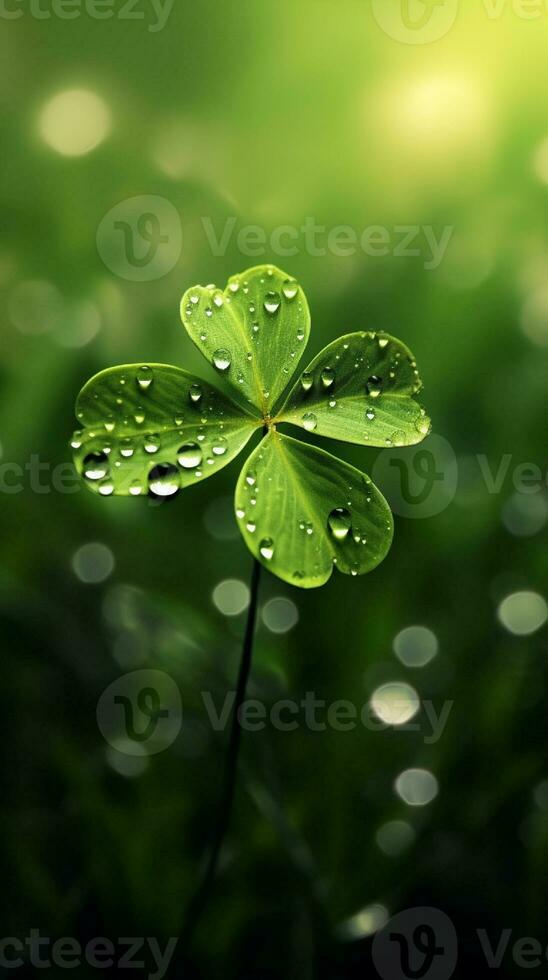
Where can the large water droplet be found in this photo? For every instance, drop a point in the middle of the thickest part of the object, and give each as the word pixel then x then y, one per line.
pixel 195 393
pixel 126 448
pixel 189 456
pixel 219 446
pixel 373 387
pixel 339 523
pixel 144 377
pixel 164 480
pixel 290 288
pixel 272 302
pixel 328 377
pixel 310 421
pixel 222 359
pixel 152 443
pixel 266 548
pixel 307 380
pixel 95 466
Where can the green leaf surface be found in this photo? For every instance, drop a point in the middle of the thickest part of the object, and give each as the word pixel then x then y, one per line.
pixel 303 512
pixel 360 389
pixel 253 332
pixel 154 427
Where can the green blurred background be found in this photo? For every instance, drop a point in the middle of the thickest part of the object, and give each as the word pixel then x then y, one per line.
pixel 265 114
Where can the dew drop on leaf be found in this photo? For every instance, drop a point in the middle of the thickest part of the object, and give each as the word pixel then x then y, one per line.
pixel 144 377
pixel 126 448
pixel 328 377
pixel 272 302
pixel 106 488
pixel 195 393
pixel 164 480
pixel 310 421
pixel 290 288
pixel 373 387
pixel 95 466
pixel 189 456
pixel 152 444
pixel 219 446
pixel 266 548
pixel 306 380
pixel 251 479
pixel 370 414
pixel 222 359
pixel 135 488
pixel 339 523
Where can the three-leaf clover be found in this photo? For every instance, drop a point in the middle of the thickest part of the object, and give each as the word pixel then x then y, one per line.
pixel 301 511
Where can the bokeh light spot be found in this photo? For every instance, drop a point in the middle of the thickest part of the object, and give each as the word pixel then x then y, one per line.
pixel 416 787
pixel 394 837
pixel 231 597
pixel 523 613
pixel 415 646
pixel 280 615
pixel 395 703
pixel 74 122
pixel 93 563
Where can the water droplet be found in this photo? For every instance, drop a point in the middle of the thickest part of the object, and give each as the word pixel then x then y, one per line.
pixel 373 387
pixel 144 377
pixel 234 286
pixel 272 302
pixel 219 446
pixel 109 425
pixel 300 334
pixel 332 403
pixel 240 513
pixel 383 342
pixel 152 443
pixel 178 420
pixel 266 548
pixel 251 527
pixel 189 456
pixel 139 416
pixel 164 480
pixel 339 523
pixel 307 380
pixel 310 421
pixel 76 440
pixel 126 448
pixel 328 377
pixel 95 466
pixel 106 488
pixel 290 288
pixel 218 299
pixel 195 393
pixel 251 479
pixel 370 414
pixel 135 488
pixel 222 359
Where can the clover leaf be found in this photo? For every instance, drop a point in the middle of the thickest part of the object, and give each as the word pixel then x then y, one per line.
pixel 152 428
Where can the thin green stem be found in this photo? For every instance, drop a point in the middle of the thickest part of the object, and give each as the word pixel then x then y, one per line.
pixel 200 899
